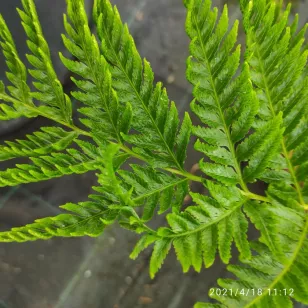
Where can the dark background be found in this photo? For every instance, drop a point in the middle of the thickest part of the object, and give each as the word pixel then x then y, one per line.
pixel 97 273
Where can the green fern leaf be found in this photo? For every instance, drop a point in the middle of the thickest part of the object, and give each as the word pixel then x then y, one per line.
pixel 263 280
pixel 226 104
pixel 88 218
pixel 154 117
pixel 20 101
pixel 106 118
pixel 197 232
pixel 271 274
pixel 254 127
pixel 55 165
pixel 151 189
pixel 280 75
pixel 160 252
pixel 264 222
pixel 43 142
pixel 142 244
pixel 48 85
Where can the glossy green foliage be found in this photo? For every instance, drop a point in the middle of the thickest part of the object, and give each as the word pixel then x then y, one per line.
pixel 106 118
pixel 252 107
pixel 278 62
pixel 45 167
pixel 197 232
pixel 155 118
pixel 50 90
pixel 152 188
pixel 43 142
pixel 85 218
pixel 13 105
pixel 225 102
pixel 268 280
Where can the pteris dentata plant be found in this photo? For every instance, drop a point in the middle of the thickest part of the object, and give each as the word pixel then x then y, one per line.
pixel 252 103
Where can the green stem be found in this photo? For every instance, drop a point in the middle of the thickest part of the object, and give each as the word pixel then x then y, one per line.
pixel 185 174
pixel 253 196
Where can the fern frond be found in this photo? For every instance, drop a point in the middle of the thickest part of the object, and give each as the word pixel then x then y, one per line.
pixel 255 127
pixel 266 280
pixel 45 141
pixel 85 218
pixel 20 100
pixel 50 90
pixel 119 191
pixel 154 118
pixel 226 104
pixel 106 118
pixel 147 187
pixel 197 232
pixel 278 69
pixel 55 165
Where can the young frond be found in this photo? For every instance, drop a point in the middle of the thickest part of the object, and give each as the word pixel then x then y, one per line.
pixel 20 101
pixel 225 102
pixel 105 116
pixel 156 120
pixel 50 90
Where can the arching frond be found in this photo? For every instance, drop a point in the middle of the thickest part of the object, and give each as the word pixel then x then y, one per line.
pixel 119 191
pixel 85 218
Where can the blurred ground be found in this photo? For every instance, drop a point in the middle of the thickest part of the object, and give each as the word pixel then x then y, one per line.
pixel 97 273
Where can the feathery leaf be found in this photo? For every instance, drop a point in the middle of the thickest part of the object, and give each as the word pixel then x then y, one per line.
pixel 154 118
pixel 43 142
